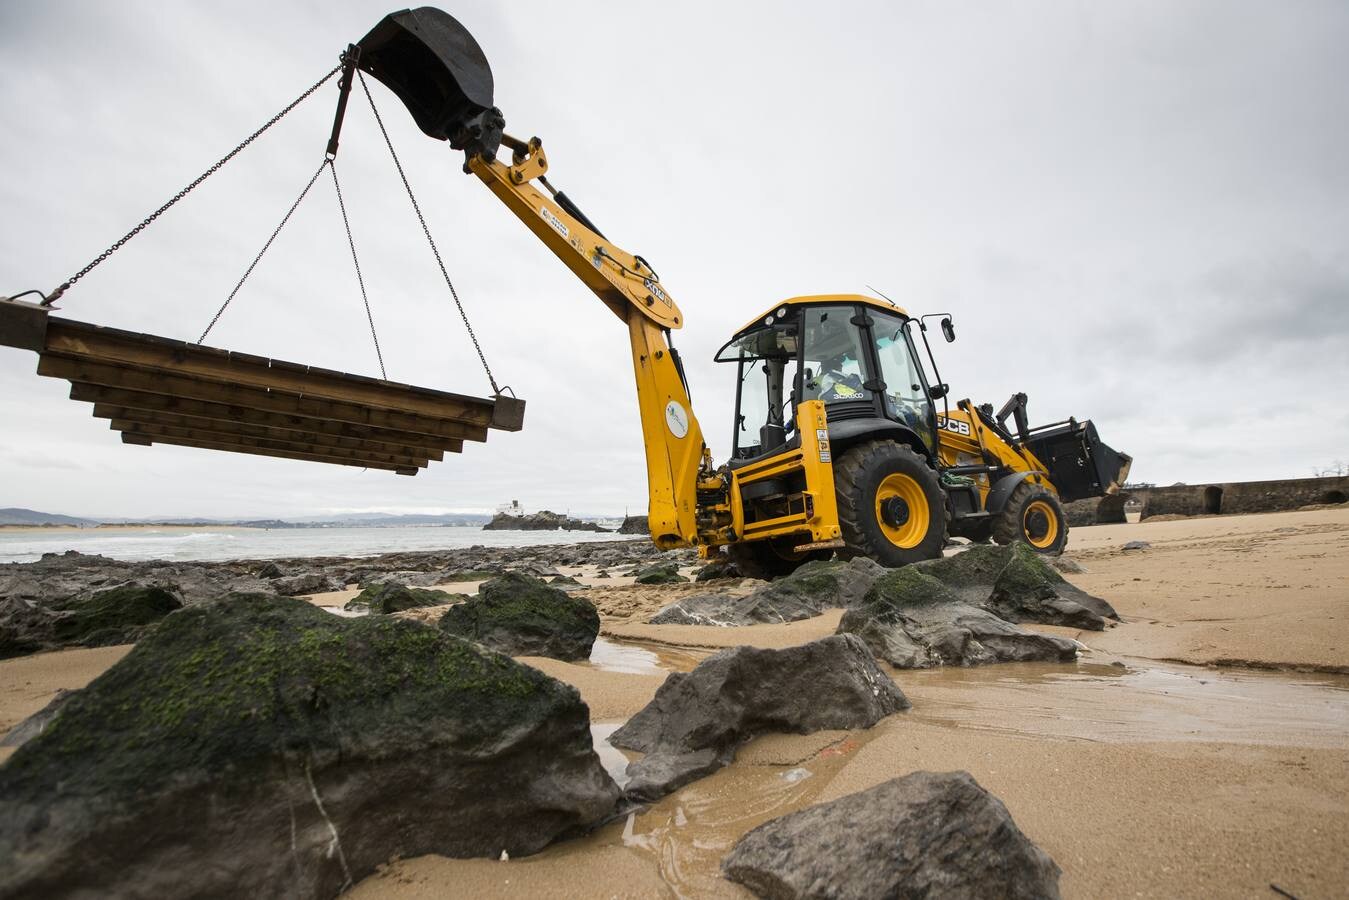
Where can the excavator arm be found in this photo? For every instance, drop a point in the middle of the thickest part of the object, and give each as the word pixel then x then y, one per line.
pixel 676 456
pixel 438 70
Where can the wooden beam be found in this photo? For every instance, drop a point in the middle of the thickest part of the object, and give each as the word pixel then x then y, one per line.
pixel 164 433
pixel 252 398
pixel 129 437
pixel 79 340
pixel 201 409
pixel 250 429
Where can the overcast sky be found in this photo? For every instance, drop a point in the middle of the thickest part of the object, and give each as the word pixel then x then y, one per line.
pixel 1137 212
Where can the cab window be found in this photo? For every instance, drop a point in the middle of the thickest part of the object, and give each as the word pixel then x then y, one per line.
pixel 833 354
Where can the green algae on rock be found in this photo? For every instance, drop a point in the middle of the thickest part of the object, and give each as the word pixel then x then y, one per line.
pixel 261 745
pixel 660 573
pixel 521 616
pixel 118 615
pixel 914 621
pixel 391 597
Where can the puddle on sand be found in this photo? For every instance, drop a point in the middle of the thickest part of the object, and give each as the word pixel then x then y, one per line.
pixel 630 658
pixel 689 832
pixel 1124 702
pixel 615 761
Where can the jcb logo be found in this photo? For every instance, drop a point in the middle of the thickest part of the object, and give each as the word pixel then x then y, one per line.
pixel 954 426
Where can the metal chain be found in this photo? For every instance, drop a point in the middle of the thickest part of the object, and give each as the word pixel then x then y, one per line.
pixel 56 294
pixel 332 167
pixel 265 247
pixel 496 391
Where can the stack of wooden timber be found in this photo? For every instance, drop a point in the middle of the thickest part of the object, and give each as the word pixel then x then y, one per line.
pixel 160 391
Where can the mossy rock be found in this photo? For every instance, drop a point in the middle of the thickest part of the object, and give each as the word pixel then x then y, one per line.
pixel 971 572
pixel 522 616
pixel 118 615
pixel 238 729
pixel 391 597
pixel 660 573
pixel 914 621
pixel 824 583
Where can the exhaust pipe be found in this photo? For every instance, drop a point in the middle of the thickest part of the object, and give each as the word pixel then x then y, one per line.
pixel 432 64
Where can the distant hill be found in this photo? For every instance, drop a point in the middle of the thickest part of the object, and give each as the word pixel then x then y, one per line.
pixel 16 516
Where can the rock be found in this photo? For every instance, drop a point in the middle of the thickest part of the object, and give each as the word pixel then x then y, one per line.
pixel 634 525
pixel 913 621
pixel 824 584
pixel 803 594
pixel 727 610
pixel 407 579
pixel 1017 584
pixel 389 597
pixel 1028 589
pixel 1136 545
pixel 660 573
pixel 720 567
pixel 522 616
pixel 306 583
pixel 920 837
pixel 35 724
pixel 260 746
pixel 564 580
pixel 697 719
pixel 268 569
pixel 1068 564
pixel 117 615
pixel 544 520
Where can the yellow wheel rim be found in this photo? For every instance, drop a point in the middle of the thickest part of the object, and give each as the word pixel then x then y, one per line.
pixel 1040 525
pixel 902 510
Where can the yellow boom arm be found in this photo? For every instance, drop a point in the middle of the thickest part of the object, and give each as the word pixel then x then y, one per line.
pixel 675 452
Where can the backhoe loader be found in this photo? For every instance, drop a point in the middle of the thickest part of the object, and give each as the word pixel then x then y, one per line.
pixel 838 445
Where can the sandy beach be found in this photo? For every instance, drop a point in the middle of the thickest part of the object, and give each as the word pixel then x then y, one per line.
pixel 1198 749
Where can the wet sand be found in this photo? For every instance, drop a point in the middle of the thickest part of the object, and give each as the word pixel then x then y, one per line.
pixel 1140 776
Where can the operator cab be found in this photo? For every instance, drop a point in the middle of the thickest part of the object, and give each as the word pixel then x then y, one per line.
pixel 855 353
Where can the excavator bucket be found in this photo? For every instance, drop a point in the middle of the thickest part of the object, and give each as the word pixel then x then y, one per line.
pixel 437 69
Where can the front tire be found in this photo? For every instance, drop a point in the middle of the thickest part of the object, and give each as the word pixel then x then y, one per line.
pixel 890 505
pixel 1033 516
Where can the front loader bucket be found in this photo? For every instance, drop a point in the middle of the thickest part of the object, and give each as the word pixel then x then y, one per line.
pixel 438 70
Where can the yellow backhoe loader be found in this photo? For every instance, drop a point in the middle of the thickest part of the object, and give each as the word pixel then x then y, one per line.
pixel 838 444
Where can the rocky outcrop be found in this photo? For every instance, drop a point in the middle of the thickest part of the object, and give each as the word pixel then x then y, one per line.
pixel 306 583
pixel 660 573
pixel 634 525
pixel 544 520
pixel 698 719
pixel 262 747
pixel 389 597
pixel 803 594
pixel 521 616
pixel 114 615
pixel 913 621
pixel 718 567
pixel 923 836
pixel 1017 584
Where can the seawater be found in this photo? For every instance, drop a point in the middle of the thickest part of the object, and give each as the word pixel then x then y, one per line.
pixel 214 544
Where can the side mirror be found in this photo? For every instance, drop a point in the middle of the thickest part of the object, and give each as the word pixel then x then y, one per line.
pixel 948 330
pixel 937 391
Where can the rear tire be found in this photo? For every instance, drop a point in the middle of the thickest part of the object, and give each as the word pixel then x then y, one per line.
pixel 771 559
pixel 890 505
pixel 1035 517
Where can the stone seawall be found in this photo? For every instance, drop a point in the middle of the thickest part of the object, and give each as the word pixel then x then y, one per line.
pixel 1228 498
